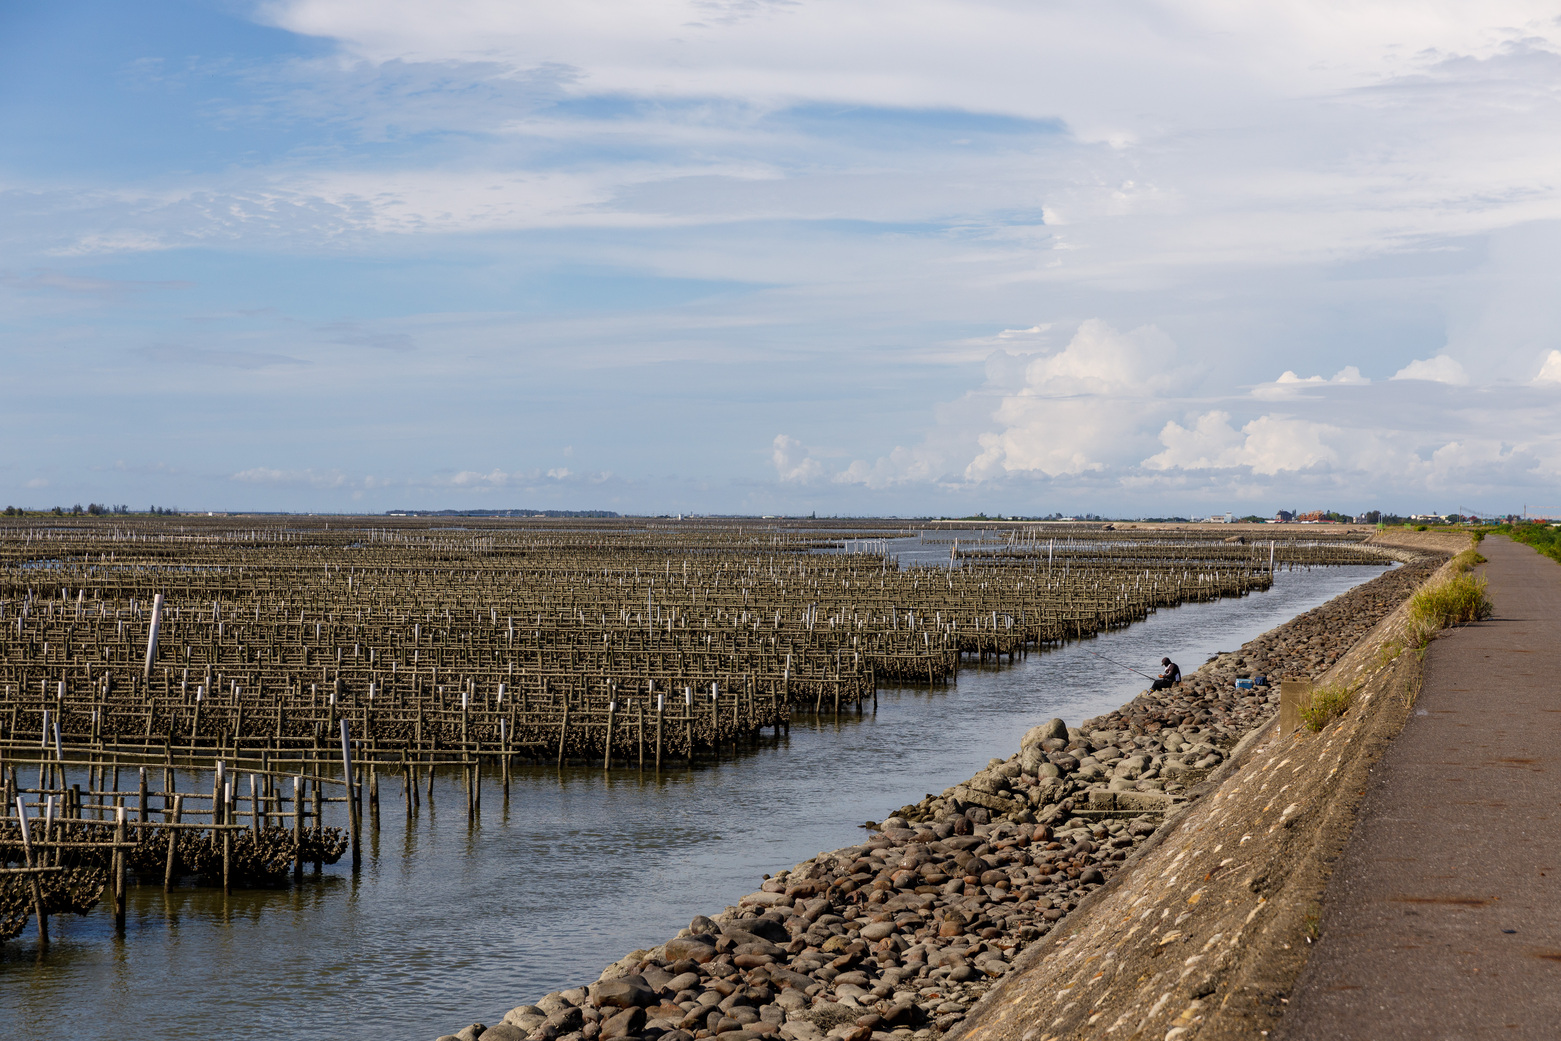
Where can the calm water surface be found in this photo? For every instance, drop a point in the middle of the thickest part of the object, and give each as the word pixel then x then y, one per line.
pixel 446 924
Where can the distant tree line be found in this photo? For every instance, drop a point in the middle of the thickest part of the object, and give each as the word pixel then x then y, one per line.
pixel 92 509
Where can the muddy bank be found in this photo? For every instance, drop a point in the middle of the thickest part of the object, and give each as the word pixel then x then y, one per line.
pixel 899 936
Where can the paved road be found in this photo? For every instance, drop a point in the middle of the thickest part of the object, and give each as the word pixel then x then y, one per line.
pixel 1443 918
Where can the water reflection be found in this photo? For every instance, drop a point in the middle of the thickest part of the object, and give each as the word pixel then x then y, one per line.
pixel 448 922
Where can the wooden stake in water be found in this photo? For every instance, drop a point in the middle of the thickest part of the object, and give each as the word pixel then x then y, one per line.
pixel 352 799
pixel 173 842
pixel 298 826
pixel 119 870
pixel 27 859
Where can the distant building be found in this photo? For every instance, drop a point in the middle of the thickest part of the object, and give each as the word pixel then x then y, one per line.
pixel 1284 517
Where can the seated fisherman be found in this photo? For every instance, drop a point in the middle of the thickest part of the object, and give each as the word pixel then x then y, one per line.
pixel 1170 675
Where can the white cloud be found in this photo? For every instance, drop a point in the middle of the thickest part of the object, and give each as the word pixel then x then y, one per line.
pixel 1081 409
pixel 1550 371
pixel 494 478
pixel 1289 385
pixel 301 478
pixel 991 56
pixel 1440 369
pixel 1268 445
pixel 793 463
pixel 1275 444
pixel 1210 443
pixel 482 481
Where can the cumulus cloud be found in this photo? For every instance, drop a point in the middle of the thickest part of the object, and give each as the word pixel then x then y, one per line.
pixel 1267 445
pixel 1075 411
pixel 793 462
pixel 1440 369
pixel 1289 385
pixel 1550 371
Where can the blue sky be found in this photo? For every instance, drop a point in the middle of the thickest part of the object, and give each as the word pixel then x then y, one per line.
pixel 753 256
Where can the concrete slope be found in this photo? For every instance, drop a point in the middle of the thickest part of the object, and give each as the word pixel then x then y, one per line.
pixel 1443 918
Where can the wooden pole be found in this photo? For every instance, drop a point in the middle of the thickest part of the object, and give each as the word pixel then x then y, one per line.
pixel 353 810
pixel 120 896
pixel 27 859
pixel 173 842
pixel 298 826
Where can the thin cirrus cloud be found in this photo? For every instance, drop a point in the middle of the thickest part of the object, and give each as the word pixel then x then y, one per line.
pixel 185 356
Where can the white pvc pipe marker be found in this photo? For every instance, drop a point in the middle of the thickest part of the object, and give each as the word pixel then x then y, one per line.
pixel 151 636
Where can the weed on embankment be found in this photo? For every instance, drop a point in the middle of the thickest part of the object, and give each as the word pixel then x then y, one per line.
pixel 1457 599
pixel 1328 704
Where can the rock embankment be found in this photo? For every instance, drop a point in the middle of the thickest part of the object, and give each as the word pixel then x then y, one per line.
pixel 896 938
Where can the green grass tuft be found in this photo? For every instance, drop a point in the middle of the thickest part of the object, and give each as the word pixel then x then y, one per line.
pixel 1468 559
pixel 1456 600
pixel 1328 704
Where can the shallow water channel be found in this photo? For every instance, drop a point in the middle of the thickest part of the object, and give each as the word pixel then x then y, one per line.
pixel 446 924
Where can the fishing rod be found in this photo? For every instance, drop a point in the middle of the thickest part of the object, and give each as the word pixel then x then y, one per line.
pixel 1119 665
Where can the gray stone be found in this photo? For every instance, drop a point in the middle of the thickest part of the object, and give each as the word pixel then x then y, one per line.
pixel 527 1021
pixel 689 947
pixel 565 1020
pixel 504 1032
pixel 471 1033
pixel 655 977
pixel 766 927
pixel 629 1021
pixel 1131 768
pixel 687 981
pixel 624 992
pixel 791 999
